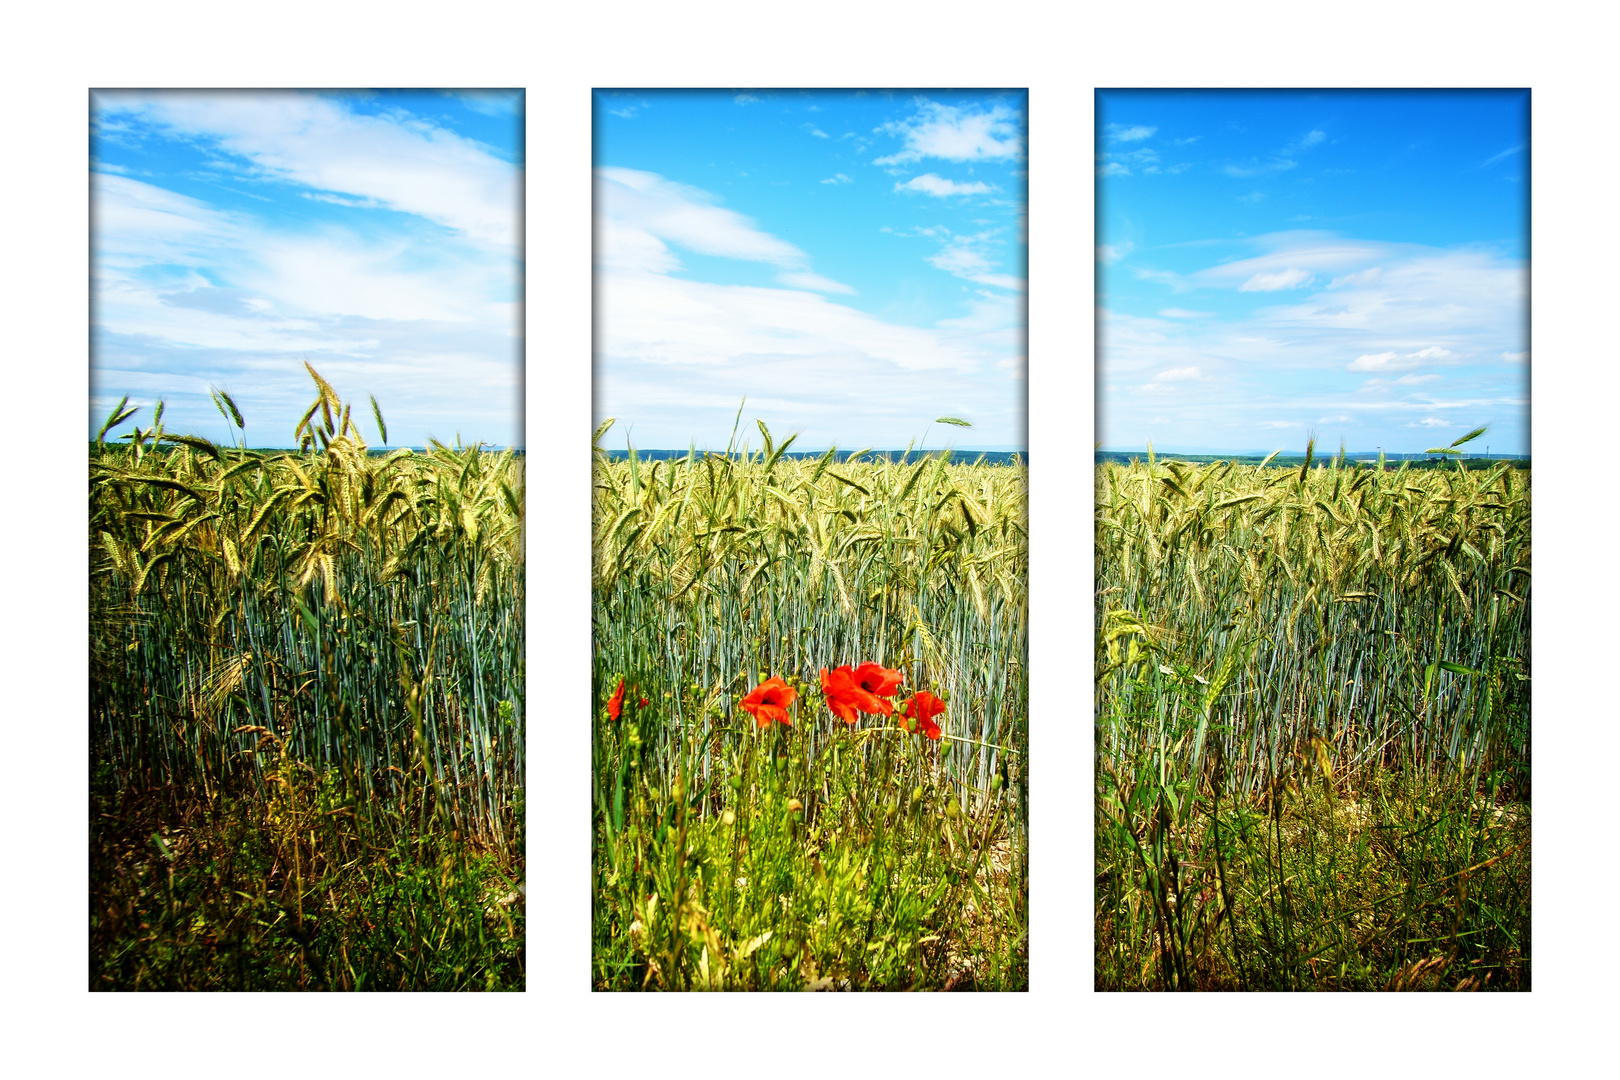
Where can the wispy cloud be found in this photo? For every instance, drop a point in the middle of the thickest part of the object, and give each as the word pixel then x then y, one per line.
pixel 1273 280
pixel 967 257
pixel 1280 160
pixel 1494 158
pixel 838 178
pixel 671 344
pixel 930 184
pixel 662 210
pixel 805 279
pixel 1108 254
pixel 315 142
pixel 1417 319
pixel 1390 360
pixel 1134 133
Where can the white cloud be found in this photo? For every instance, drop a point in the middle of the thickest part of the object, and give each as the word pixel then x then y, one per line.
pixel 1515 357
pixel 1183 313
pixel 1108 254
pixel 956 134
pixel 960 259
pixel 408 165
pixel 1180 374
pixel 838 178
pixel 1393 361
pixel 1289 253
pixel 929 184
pixel 1383 361
pixel 1433 422
pixel 1113 168
pixel 1371 340
pixel 817 132
pixel 1272 281
pixel 686 217
pixel 676 355
pixel 963 257
pixel 1134 133
pixel 745 99
pixel 187 295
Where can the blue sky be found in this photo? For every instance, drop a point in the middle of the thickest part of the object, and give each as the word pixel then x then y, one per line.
pixel 377 234
pixel 852 262
pixel 1276 264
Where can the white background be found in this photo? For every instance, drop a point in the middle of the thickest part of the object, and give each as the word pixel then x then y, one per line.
pixel 53 1026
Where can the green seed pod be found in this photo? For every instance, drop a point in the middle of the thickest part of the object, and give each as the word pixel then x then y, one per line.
pixel 917 793
pixel 995 782
pixel 728 817
pixel 952 811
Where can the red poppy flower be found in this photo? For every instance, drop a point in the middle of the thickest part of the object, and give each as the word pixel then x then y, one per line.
pixel 847 699
pixel 616 702
pixel 642 703
pixel 920 713
pixel 769 701
pixel 877 679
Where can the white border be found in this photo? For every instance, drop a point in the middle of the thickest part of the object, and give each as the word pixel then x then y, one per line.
pixel 1061 53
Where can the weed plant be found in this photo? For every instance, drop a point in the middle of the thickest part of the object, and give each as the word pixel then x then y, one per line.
pixel 1313 740
pixel 306 694
pixel 745 836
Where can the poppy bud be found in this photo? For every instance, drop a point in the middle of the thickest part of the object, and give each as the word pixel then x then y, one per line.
pixel 995 782
pixel 728 817
pixel 917 794
pixel 794 806
pixel 952 811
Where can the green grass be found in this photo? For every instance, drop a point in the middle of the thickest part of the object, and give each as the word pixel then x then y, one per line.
pixel 816 855
pixel 307 667
pixel 291 893
pixel 1313 736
